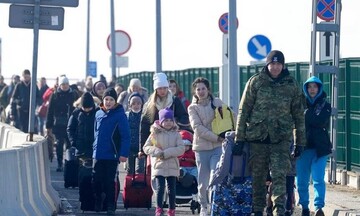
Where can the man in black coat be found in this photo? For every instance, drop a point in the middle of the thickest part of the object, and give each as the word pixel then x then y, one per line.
pixel 20 105
pixel 59 111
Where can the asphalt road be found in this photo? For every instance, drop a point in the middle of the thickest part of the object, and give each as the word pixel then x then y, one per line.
pixel 340 200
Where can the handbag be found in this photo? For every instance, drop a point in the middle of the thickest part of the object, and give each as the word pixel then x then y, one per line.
pixel 223 121
pixel 42 110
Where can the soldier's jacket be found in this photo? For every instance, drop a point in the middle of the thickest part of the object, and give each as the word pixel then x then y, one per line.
pixel 270 109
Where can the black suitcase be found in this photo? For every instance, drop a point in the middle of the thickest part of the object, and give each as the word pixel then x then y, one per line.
pixel 86 195
pixel 86 190
pixel 71 168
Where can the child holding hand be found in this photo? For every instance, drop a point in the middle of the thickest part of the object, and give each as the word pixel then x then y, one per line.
pixel 164 145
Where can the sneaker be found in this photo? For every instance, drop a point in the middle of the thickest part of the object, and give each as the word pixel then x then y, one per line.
pixel 59 169
pixel 159 211
pixel 203 212
pixel 305 212
pixel 171 212
pixel 319 212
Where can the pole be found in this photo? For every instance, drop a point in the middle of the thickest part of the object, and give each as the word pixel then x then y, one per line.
pixel 312 71
pixel 87 40
pixel 0 56
pixel 113 46
pixel 233 66
pixel 34 70
pixel 158 37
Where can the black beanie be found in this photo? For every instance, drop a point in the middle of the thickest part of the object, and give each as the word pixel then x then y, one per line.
pixel 275 56
pixel 110 92
pixel 87 100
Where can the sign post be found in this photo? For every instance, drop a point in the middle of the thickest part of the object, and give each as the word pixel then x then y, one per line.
pixel 122 44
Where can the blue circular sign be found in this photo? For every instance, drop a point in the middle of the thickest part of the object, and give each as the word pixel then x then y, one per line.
pixel 326 9
pixel 259 46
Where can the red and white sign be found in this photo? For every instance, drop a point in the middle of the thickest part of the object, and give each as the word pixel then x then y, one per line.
pixel 122 42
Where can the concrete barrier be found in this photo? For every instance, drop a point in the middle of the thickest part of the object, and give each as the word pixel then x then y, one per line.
pixel 25 185
pixel 2 134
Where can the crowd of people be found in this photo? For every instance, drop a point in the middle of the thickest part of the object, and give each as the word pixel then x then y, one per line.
pixel 109 124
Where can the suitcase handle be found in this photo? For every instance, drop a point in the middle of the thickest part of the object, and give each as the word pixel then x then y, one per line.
pixel 145 163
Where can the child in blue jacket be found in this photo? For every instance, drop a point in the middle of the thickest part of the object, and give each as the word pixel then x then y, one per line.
pixel 111 146
pixel 314 158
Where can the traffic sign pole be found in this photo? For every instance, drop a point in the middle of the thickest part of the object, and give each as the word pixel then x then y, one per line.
pixel 233 66
pixel 34 70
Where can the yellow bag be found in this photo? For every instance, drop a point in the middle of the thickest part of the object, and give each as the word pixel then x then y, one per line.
pixel 223 121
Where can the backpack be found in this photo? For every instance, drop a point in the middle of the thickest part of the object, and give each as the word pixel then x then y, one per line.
pixel 223 121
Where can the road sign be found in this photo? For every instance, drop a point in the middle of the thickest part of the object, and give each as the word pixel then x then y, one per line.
pixel 64 3
pixel 120 61
pixel 225 58
pixel 92 68
pixel 22 16
pixel 122 42
pixel 224 23
pixel 325 9
pixel 259 46
pixel 326 44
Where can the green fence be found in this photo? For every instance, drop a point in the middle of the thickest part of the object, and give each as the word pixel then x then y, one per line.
pixel 348 128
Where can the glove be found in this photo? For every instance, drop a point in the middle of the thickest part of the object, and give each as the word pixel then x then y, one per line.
pixel 238 148
pixel 298 150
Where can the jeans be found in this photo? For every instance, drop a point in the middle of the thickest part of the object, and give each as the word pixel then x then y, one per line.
pixel 134 163
pixel 41 122
pixel 309 164
pixel 160 189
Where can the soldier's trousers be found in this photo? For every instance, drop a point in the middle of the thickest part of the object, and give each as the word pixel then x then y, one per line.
pixel 275 157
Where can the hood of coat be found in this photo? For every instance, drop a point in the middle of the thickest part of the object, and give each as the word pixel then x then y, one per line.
pixel 316 80
pixel 156 127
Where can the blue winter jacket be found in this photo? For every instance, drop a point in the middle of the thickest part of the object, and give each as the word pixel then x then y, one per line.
pixel 112 134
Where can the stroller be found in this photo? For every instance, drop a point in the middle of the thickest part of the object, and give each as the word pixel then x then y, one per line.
pixel 186 185
pixel 186 193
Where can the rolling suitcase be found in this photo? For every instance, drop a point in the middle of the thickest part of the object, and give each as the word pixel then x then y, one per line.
pixel 137 191
pixel 71 168
pixel 86 194
pixel 233 196
pixel 86 190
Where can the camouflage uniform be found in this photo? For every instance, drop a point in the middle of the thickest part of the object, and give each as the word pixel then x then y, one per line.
pixel 270 113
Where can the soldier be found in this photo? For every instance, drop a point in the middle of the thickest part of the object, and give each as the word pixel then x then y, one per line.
pixel 270 110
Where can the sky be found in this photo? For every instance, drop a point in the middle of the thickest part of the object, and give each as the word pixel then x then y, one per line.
pixel 191 37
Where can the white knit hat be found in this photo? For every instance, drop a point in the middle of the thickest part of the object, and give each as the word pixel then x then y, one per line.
pixel 63 80
pixel 160 80
pixel 135 82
